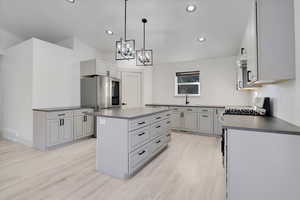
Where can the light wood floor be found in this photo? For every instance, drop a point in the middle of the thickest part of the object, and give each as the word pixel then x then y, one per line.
pixel 190 168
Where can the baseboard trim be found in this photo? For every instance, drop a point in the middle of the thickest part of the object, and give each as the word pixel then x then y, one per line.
pixel 12 136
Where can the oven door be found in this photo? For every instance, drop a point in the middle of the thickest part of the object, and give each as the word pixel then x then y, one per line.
pixel 115 85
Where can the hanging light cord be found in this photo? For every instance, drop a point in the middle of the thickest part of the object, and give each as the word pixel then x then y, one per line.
pixel 125 20
pixel 144 20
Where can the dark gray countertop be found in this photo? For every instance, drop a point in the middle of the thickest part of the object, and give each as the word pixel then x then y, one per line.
pixel 129 113
pixel 259 124
pixel 189 105
pixel 55 109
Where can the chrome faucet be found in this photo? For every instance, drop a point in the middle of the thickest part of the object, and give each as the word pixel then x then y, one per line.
pixel 187 100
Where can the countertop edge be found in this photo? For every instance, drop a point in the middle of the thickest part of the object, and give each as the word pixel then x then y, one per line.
pixel 191 106
pixel 60 109
pixel 129 118
pixel 262 130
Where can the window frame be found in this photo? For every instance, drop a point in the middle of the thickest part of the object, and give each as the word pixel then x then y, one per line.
pixel 177 74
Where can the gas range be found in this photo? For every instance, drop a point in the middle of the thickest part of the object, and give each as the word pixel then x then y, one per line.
pixel 245 110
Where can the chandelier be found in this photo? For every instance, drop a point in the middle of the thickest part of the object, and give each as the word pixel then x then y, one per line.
pixel 144 56
pixel 125 49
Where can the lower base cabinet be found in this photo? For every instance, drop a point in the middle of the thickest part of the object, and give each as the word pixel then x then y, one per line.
pixel 195 119
pixel 124 146
pixel 83 124
pixel 56 128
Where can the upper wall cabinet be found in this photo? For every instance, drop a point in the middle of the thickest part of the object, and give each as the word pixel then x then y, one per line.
pixel 269 42
pixel 98 67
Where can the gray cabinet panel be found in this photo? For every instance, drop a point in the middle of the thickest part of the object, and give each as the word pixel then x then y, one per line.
pixel 205 123
pixel 191 121
pixel 53 132
pixel 66 130
pixel 78 127
pixel 177 120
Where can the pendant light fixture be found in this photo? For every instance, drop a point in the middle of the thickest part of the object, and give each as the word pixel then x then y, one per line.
pixel 144 56
pixel 125 49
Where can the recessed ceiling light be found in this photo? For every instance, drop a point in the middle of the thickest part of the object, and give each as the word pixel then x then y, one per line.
pixel 109 32
pixel 191 8
pixel 71 1
pixel 201 39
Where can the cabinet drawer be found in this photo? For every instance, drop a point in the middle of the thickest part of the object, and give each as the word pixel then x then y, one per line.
pixel 205 110
pixel 167 124
pixel 168 114
pixel 168 137
pixel 157 117
pixel 62 114
pixel 82 111
pixel 157 144
pixel 138 123
pixel 157 129
pixel 139 157
pixel 138 137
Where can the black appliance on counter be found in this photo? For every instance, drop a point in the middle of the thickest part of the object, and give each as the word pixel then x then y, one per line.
pixel 261 107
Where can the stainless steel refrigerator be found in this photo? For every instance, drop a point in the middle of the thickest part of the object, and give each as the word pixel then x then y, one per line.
pixel 100 92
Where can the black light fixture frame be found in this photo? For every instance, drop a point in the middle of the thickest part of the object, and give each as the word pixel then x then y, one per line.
pixel 125 38
pixel 139 63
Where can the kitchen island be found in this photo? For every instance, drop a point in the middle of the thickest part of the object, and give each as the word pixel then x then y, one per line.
pixel 261 158
pixel 127 139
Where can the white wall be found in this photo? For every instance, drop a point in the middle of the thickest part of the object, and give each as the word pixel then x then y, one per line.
pixel 55 76
pixel 286 96
pixel 16 88
pixel 217 82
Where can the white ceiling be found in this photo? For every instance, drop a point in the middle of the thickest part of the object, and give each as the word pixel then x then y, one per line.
pixel 171 31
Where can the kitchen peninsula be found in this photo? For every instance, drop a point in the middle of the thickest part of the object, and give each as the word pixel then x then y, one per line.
pixel 127 139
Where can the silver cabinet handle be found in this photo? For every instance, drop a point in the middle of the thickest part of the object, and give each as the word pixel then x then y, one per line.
pixel 61 115
pixel 205 116
pixel 189 109
pixel 204 110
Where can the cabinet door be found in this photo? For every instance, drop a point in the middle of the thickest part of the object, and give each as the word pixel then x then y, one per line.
pixel 66 130
pixel 251 45
pixel 53 132
pixel 177 120
pixel 88 125
pixel 78 127
pixel 191 121
pixel 217 122
pixel 205 123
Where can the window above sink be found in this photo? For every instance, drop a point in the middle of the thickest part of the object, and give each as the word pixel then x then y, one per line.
pixel 187 83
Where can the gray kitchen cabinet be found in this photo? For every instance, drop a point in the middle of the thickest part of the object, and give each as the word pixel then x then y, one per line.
pixel 191 120
pixel 194 119
pixel 78 127
pixel 177 120
pixel 53 132
pixel 125 145
pixel 83 124
pixel 53 128
pixel 205 123
pixel 66 130
pixel 270 42
pixel 217 123
pixel 262 165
